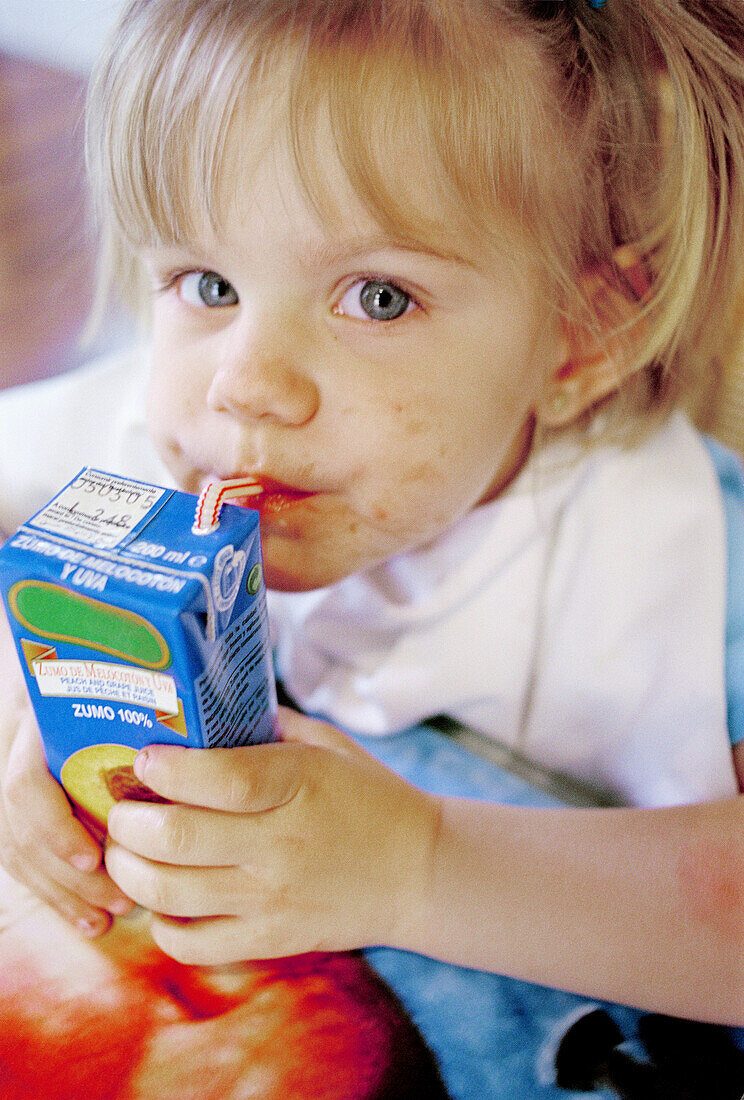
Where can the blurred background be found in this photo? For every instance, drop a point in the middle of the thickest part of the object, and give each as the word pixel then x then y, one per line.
pixel 47 245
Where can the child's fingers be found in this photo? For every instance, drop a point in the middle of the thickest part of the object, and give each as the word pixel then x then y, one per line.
pixel 44 846
pixel 90 920
pixel 184 835
pixel 37 808
pixel 43 877
pixel 215 941
pixel 177 891
pixel 86 900
pixel 189 836
pixel 41 844
pixel 243 780
pixel 293 726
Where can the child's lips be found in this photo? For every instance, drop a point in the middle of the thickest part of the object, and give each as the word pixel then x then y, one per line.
pixel 273 498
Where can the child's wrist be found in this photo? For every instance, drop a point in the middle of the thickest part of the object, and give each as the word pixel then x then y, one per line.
pixel 414 910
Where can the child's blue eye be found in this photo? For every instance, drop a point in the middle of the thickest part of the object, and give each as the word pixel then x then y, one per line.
pixel 206 288
pixel 375 300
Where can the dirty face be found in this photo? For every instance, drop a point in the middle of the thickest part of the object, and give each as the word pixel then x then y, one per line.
pixel 379 389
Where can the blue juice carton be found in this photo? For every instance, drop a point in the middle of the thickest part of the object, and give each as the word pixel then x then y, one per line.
pixel 139 615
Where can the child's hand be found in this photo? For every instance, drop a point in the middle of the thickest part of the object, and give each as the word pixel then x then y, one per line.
pixel 41 844
pixel 309 844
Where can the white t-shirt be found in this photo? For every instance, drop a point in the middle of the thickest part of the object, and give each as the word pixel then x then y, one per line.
pixel 579 619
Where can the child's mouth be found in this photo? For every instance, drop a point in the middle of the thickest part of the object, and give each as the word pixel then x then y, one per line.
pixel 272 499
pixel 268 498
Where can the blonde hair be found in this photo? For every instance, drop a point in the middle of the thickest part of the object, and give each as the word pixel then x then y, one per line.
pixel 584 130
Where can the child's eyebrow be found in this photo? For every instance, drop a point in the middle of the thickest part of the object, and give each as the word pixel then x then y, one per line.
pixel 322 254
pixel 332 253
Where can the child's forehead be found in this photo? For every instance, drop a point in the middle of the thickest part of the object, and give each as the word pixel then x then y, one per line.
pixel 399 195
pixel 357 128
pixel 401 199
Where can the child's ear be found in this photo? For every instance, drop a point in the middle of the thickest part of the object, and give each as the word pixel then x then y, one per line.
pixel 598 360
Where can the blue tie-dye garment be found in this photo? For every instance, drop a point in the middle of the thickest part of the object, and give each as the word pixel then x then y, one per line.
pixel 495 1037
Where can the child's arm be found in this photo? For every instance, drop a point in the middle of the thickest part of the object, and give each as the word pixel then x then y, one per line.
pixel 313 844
pixel 41 843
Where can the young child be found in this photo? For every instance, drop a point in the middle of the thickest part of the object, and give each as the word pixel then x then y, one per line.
pixel 438 275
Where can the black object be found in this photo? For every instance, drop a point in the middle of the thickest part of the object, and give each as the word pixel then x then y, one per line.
pixel 681 1059
pixel 581 1061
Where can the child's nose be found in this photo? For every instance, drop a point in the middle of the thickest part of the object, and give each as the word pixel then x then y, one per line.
pixel 258 381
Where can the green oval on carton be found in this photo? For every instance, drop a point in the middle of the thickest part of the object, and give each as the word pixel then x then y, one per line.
pixel 56 613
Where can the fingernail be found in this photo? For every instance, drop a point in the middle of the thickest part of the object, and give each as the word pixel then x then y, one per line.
pixel 139 765
pixel 120 906
pixel 84 861
pixel 89 928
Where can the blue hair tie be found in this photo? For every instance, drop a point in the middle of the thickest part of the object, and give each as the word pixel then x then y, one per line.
pixel 594 4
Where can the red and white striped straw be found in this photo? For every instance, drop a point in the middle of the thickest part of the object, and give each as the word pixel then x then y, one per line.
pixel 209 506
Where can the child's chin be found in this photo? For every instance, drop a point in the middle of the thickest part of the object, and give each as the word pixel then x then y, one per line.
pixel 298 571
